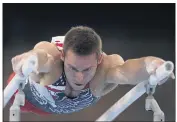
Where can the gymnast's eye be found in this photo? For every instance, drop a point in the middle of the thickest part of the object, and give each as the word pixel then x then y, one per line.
pixel 74 69
pixel 86 70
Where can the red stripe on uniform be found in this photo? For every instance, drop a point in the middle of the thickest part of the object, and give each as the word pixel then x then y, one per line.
pixel 52 89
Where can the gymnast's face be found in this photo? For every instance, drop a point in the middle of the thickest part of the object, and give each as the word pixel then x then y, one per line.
pixel 79 70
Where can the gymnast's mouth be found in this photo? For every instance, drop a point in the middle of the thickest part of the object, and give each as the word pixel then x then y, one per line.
pixel 78 84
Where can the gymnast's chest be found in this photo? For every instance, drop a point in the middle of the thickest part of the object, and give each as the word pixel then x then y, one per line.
pixel 56 91
pixel 52 98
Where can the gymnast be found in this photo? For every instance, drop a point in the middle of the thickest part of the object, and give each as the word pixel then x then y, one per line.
pixel 75 74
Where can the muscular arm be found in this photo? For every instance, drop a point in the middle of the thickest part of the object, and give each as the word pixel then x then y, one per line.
pixel 115 71
pixel 133 71
pixel 50 70
pixel 48 66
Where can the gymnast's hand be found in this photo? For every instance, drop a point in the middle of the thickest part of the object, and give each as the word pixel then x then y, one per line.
pixel 43 64
pixel 18 61
pixel 47 70
pixel 153 63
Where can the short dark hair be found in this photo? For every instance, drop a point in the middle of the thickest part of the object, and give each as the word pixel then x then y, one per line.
pixel 82 41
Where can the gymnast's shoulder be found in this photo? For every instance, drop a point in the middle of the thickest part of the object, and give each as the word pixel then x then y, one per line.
pixel 57 67
pixel 50 48
pixel 112 60
pixel 99 83
pixel 108 62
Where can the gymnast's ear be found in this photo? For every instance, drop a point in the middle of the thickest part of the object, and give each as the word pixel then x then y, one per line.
pixel 62 55
pixel 100 58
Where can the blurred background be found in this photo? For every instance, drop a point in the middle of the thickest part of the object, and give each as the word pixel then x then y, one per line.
pixel 131 30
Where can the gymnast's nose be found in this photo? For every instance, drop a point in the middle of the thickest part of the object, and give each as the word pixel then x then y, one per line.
pixel 79 77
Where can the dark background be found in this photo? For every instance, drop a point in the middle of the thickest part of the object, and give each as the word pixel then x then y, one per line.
pixel 131 30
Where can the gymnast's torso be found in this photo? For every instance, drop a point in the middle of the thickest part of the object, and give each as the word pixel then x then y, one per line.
pixel 52 99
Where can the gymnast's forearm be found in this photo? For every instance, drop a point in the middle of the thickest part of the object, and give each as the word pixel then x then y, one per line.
pixel 135 71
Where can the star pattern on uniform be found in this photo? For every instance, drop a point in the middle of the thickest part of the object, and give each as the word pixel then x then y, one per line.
pixel 61 81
